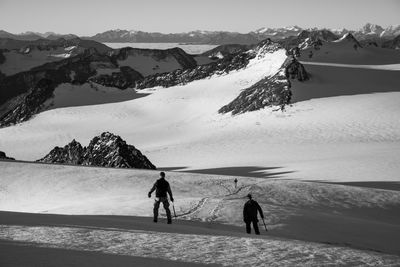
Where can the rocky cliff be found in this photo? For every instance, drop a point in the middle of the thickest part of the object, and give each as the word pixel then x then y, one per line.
pixel 105 150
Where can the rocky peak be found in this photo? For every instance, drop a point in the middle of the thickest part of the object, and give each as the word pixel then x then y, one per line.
pixel 70 154
pixel 4 156
pixel 372 29
pixel 106 150
pixel 350 38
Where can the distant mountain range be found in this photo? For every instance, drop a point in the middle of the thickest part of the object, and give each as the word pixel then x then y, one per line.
pixel 367 32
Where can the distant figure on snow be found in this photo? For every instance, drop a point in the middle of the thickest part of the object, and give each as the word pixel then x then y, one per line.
pixel 161 186
pixel 251 207
pixel 235 181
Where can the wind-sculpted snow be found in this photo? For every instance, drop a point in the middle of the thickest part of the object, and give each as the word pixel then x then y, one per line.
pixel 208 249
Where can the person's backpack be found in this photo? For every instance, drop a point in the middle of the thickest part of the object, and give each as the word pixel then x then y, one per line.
pixel 162 188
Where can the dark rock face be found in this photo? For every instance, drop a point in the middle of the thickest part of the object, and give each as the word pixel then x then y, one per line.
pixel 2 57
pixel 393 44
pixel 270 91
pixel 185 60
pixel 105 150
pixel 30 104
pixel 111 151
pixel 127 77
pixel 294 70
pixel 4 156
pixel 70 154
pixel 29 90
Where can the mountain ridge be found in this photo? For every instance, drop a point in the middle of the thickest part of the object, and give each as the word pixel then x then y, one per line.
pixel 367 31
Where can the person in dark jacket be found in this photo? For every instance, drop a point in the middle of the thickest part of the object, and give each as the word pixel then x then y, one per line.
pixel 251 207
pixel 161 186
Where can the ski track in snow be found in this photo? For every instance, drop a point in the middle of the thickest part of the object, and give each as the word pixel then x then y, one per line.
pixel 224 250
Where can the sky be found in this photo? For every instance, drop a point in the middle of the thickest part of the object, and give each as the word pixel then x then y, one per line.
pixel 88 17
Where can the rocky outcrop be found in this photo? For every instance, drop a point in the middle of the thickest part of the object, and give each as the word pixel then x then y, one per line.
pixel 3 156
pixel 185 60
pixel 393 44
pixel 294 70
pixel 69 154
pixel 125 78
pixel 351 39
pixel 105 150
pixel 271 91
pixel 30 104
pixel 308 39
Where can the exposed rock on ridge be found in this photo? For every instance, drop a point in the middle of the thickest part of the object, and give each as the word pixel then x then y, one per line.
pixel 4 156
pixel 271 91
pixel 105 150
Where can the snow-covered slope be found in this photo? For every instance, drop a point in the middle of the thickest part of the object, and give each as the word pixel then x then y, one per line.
pixel 343 138
pixel 348 212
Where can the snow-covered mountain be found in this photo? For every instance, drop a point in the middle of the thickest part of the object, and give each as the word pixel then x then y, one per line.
pixel 32 36
pixel 277 33
pixel 123 68
pixel 368 31
pixel 346 50
pixel 371 29
pixel 205 37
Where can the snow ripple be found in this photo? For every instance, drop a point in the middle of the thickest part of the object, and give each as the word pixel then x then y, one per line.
pixel 224 250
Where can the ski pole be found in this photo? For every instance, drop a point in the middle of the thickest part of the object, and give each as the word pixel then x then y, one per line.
pixel 264 225
pixel 173 206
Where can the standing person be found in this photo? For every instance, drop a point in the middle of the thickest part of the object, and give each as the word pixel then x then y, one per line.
pixel 161 186
pixel 251 207
pixel 236 180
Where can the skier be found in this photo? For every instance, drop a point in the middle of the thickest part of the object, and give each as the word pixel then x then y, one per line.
pixel 235 181
pixel 250 214
pixel 161 186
